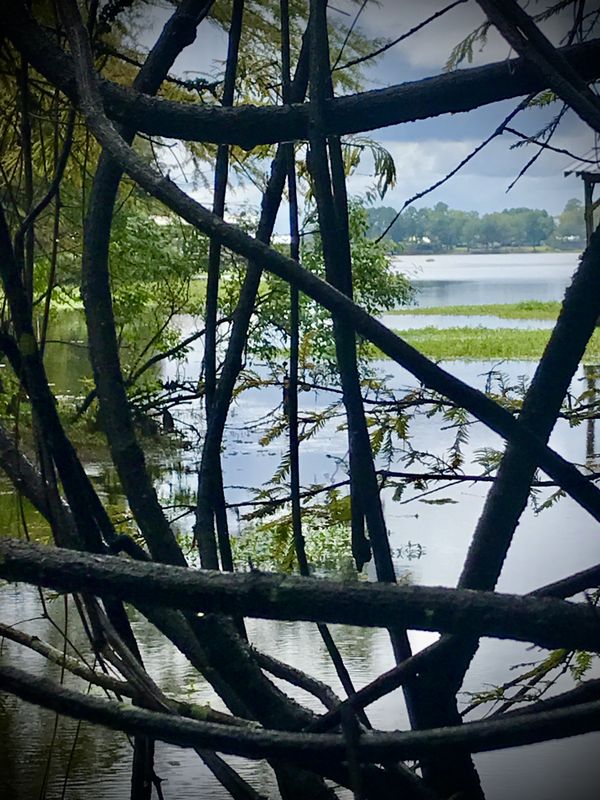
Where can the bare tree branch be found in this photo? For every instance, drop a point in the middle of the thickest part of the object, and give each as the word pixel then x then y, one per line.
pixel 476 737
pixel 548 622
pixel 462 90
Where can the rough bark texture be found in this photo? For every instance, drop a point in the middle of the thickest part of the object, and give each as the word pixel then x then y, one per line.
pixel 477 737
pixel 548 622
pixel 459 91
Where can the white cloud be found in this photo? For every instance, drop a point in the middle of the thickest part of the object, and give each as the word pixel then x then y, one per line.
pixel 426 52
pixel 426 151
pixel 481 185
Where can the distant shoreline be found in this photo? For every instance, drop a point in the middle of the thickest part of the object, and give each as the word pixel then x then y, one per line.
pixel 463 251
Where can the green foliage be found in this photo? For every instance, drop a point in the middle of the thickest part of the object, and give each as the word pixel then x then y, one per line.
pixel 488 458
pixel 377 287
pixel 153 259
pixel 570 231
pixel 459 419
pixel 581 664
pixel 549 502
pixel 516 226
pixel 384 166
pixel 464 50
pixel 271 547
pixel 536 680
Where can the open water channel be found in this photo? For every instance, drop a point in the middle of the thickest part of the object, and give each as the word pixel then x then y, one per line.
pixel 429 543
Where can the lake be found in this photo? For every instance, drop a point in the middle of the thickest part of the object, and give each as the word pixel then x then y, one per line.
pixel 447 280
pixel 429 542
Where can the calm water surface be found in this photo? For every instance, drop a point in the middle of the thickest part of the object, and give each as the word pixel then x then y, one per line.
pixel 546 547
pixel 449 280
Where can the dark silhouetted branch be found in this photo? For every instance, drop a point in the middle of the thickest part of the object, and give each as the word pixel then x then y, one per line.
pixel 476 737
pixel 547 622
pixel 462 90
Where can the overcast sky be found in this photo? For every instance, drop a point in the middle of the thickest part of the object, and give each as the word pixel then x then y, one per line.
pixel 425 151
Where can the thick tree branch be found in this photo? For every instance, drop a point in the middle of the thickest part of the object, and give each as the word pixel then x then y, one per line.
pixel 179 31
pixel 547 622
pixel 110 684
pixel 463 90
pixel 298 678
pixel 572 585
pixel 318 749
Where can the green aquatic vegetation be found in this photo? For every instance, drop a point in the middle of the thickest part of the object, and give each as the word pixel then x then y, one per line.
pixel 526 309
pixel 486 343
pixel 271 547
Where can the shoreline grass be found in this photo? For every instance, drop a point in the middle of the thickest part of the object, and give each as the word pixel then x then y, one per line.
pixel 526 309
pixel 451 344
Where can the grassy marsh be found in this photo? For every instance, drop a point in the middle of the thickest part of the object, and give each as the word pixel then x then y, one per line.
pixel 486 343
pixel 526 309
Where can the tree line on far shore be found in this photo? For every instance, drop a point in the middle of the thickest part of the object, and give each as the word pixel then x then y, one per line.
pixel 442 228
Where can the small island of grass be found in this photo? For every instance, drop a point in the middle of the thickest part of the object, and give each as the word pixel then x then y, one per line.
pixel 526 309
pixel 485 343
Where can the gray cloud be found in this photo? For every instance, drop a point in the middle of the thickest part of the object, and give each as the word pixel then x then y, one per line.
pixel 425 151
